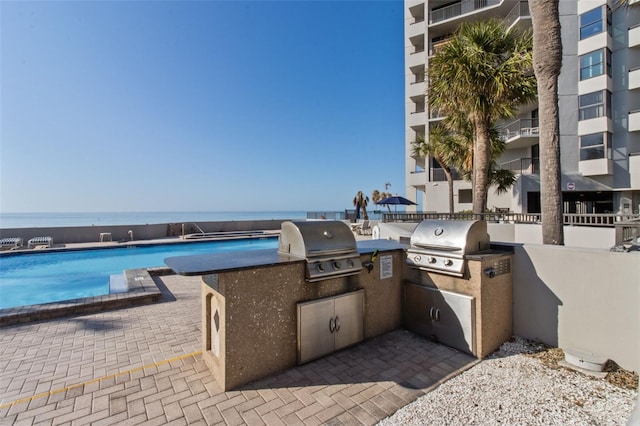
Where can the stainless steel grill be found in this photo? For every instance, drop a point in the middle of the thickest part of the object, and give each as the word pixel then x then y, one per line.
pixel 441 245
pixel 329 248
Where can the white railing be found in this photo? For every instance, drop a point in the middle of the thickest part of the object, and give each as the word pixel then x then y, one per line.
pixel 457 9
pixel 520 10
pixel 523 166
pixel 597 219
pixel 521 127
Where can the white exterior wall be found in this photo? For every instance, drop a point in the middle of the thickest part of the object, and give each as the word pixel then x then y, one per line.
pixel 580 299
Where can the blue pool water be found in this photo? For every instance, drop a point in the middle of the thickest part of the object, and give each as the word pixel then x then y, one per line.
pixel 34 278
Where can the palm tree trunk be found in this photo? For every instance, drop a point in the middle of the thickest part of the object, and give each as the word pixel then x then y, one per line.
pixel 447 173
pixel 547 63
pixel 481 160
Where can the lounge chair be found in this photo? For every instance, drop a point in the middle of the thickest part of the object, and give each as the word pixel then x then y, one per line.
pixel 365 229
pixel 11 243
pixel 40 241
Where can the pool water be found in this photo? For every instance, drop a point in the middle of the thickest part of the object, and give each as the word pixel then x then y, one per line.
pixel 35 278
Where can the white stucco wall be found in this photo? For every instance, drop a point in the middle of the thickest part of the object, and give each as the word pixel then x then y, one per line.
pixel 580 299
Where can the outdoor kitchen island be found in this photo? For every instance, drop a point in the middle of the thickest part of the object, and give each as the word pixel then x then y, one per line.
pixel 261 314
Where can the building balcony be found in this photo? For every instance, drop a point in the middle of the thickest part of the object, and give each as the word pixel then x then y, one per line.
pixel 634 36
pixel 634 170
pixel 595 42
pixel 595 125
pixel 634 78
pixel 417 13
pixel 520 133
pixel 597 167
pixel 417 88
pixel 522 166
pixel 601 82
pixel 416 119
pixel 436 115
pixel 519 16
pixel 416 58
pixel 634 121
pixel 456 10
pixel 416 28
pixel 434 47
pixel 438 175
pixel 417 178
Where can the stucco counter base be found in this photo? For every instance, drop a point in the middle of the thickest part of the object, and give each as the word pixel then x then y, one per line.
pixel 249 315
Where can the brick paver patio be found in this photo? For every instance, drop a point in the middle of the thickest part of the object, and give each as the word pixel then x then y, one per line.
pixel 142 366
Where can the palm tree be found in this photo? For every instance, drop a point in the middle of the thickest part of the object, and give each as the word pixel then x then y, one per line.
pixel 378 196
pixel 547 62
pixel 445 149
pixel 482 73
pixel 361 201
pixel 454 150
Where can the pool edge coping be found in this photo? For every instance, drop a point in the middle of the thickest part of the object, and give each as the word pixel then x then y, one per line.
pixel 142 290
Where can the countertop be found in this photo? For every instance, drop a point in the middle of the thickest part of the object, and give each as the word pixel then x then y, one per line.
pixel 204 264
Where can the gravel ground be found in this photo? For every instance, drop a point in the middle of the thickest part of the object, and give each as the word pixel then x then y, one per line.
pixel 512 387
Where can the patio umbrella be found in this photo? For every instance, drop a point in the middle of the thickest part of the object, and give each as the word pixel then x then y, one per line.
pixel 397 200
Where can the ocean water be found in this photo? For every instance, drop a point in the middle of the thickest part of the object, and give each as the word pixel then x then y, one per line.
pixel 45 220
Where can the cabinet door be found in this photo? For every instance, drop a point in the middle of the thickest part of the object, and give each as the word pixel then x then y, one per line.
pixel 443 316
pixel 315 336
pixel 349 319
pixel 417 304
pixel 454 319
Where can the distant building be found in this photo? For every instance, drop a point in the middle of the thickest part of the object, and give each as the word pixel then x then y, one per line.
pixel 599 95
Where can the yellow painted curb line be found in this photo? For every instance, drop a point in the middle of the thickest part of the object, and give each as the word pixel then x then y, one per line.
pixel 52 392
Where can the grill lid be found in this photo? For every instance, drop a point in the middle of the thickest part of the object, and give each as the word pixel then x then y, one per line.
pixel 441 245
pixel 329 247
pixel 459 236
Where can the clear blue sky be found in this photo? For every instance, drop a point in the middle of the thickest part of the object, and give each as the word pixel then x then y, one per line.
pixel 199 106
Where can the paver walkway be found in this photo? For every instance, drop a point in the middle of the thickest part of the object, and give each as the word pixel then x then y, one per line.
pixel 143 366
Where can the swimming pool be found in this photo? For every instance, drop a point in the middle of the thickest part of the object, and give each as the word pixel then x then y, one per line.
pixel 35 278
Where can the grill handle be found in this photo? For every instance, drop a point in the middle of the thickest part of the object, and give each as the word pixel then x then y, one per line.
pixel 341 250
pixel 437 247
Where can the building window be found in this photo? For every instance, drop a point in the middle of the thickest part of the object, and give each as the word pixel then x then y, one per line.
pixel 595 146
pixel 465 196
pixel 594 105
pixel 593 22
pixel 594 64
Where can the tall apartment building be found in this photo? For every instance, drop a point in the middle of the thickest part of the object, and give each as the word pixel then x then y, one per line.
pixel 599 99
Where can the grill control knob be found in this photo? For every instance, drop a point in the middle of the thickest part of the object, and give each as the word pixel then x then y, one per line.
pixel 336 265
pixel 417 258
pixel 320 267
pixel 432 259
pixel 448 262
pixel 350 263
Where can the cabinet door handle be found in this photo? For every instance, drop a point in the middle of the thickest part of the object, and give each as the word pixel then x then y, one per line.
pixel 332 325
pixel 437 314
pixel 337 324
pixel 431 315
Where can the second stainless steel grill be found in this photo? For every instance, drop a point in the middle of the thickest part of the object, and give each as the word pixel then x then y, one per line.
pixel 329 247
pixel 441 245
